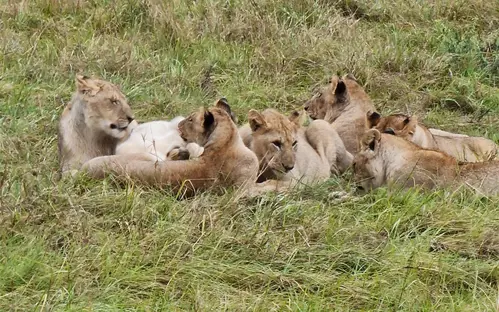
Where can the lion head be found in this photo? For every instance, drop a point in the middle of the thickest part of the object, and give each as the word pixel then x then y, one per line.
pixel 104 106
pixel 334 98
pixel 199 127
pixel 274 140
pixel 397 124
pixel 367 165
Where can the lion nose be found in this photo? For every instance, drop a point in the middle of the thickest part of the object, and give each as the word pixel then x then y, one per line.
pixel 288 168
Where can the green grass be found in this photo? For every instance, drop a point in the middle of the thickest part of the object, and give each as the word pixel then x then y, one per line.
pixel 95 245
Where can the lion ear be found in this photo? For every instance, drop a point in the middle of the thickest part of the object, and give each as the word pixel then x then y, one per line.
pixel 297 117
pixel 350 76
pixel 208 119
pixel 372 119
pixel 410 123
pixel 224 104
pixel 256 120
pixel 86 85
pixel 370 140
pixel 338 87
pixel 411 120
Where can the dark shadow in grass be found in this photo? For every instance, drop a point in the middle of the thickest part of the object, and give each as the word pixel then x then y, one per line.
pixel 207 84
pixel 357 10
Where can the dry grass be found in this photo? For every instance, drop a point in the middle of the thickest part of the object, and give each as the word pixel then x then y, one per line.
pixel 95 245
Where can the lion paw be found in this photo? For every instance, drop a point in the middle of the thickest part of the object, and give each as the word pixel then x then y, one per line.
pixel 179 153
pixel 195 150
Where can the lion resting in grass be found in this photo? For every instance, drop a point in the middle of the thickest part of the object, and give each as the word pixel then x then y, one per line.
pixel 388 159
pixel 288 152
pixel 344 103
pixel 463 148
pixel 225 162
pixel 93 123
pixel 161 140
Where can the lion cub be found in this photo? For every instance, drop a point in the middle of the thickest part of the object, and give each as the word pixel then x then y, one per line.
pixel 388 159
pixel 225 162
pixel 161 140
pixel 463 148
pixel 344 103
pixel 287 151
pixel 93 123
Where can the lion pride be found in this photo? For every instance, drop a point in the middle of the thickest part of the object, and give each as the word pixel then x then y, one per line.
pixel 462 147
pixel 385 159
pixel 344 104
pixel 287 151
pixel 225 161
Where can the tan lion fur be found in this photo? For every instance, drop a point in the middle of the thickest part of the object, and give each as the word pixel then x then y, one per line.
pixel 388 159
pixel 286 151
pixel 344 104
pixel 96 119
pixel 463 148
pixel 225 162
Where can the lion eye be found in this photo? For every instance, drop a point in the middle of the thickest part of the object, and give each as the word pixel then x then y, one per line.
pixel 115 102
pixel 277 144
pixel 295 143
pixel 190 119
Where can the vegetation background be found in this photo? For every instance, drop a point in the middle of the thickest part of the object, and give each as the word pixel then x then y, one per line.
pixel 97 245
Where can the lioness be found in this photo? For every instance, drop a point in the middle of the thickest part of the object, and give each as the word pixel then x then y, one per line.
pixel 388 159
pixel 464 148
pixel 287 151
pixel 225 162
pixel 96 119
pixel 344 103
